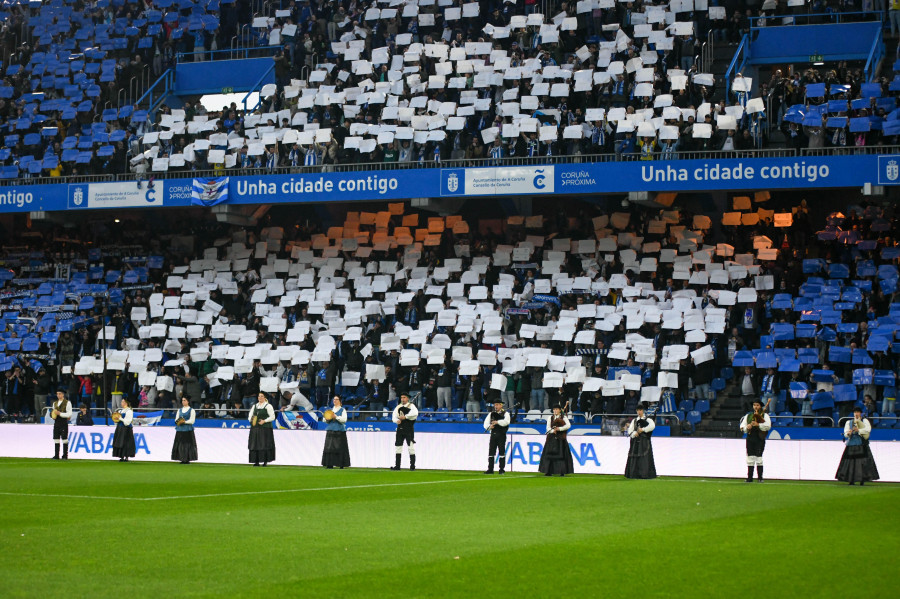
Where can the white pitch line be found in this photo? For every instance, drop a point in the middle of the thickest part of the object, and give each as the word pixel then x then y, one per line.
pixel 375 486
pixel 771 482
pixel 269 492
pixel 61 496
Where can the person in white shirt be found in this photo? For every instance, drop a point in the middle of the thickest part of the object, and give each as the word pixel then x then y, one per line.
pixel 262 440
pixel 184 449
pixel 556 458
pixel 640 462
pixel 497 422
pixel 123 439
pixel 336 451
pixel 404 416
pixel 297 401
pixel 756 424
pixel 61 414
pixel 857 463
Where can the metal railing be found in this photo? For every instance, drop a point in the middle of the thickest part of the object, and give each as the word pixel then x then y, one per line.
pixel 154 96
pixel 875 56
pixel 355 415
pixel 820 17
pixel 742 52
pixel 706 56
pixel 842 422
pixel 851 150
pixel 460 163
pixel 227 54
pixel 775 417
pixel 622 420
pixel 256 87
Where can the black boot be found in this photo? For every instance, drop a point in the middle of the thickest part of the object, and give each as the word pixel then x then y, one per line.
pixel 749 474
pixel 490 469
pixel 56 451
pixel 502 465
pixel 759 471
pixel 412 461
pixel 65 447
pixel 396 465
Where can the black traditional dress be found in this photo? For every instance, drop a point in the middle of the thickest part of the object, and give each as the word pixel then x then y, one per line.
pixel 336 452
pixel 123 439
pixel 857 463
pixel 556 458
pixel 184 449
pixel 640 462
pixel 262 438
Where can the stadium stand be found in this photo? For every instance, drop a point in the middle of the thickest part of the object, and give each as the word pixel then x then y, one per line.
pixel 600 309
pixel 375 82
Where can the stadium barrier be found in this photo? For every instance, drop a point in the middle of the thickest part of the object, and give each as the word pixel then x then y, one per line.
pixel 576 178
pixel 714 458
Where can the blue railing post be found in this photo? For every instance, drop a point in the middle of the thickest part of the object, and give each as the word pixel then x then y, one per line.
pixel 256 86
pixel 153 101
pixel 742 50
pixel 875 54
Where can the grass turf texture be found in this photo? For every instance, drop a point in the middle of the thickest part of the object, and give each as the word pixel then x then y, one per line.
pixel 108 529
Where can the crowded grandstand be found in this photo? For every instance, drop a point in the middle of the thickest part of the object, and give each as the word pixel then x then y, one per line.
pixel 598 306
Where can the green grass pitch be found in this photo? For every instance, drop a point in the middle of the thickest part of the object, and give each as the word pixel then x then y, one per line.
pixel 109 529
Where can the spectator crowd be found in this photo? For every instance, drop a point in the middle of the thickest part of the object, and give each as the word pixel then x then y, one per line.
pixel 368 82
pixel 600 310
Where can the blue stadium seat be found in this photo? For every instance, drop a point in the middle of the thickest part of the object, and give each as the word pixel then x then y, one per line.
pixel 694 417
pixel 717 384
pixel 702 406
pixel 784 419
pixel 686 405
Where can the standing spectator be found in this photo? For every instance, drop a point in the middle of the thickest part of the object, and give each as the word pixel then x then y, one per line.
pixel 41 391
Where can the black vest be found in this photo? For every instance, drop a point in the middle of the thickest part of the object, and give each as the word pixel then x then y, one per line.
pixel 405 425
pixel 499 429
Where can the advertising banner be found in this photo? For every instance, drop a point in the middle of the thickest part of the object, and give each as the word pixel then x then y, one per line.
pixel 714 458
pixel 737 174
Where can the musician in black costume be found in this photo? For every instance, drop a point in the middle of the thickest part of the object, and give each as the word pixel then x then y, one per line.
pixel 640 462
pixel 336 451
pixel 404 416
pixel 123 439
pixel 61 414
pixel 184 449
pixel 497 422
pixel 857 463
pixel 556 458
pixel 756 424
pixel 262 438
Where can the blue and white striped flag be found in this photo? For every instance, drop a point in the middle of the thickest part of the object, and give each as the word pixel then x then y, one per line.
pixel 209 191
pixel 667 402
pixel 301 420
pixel 147 418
